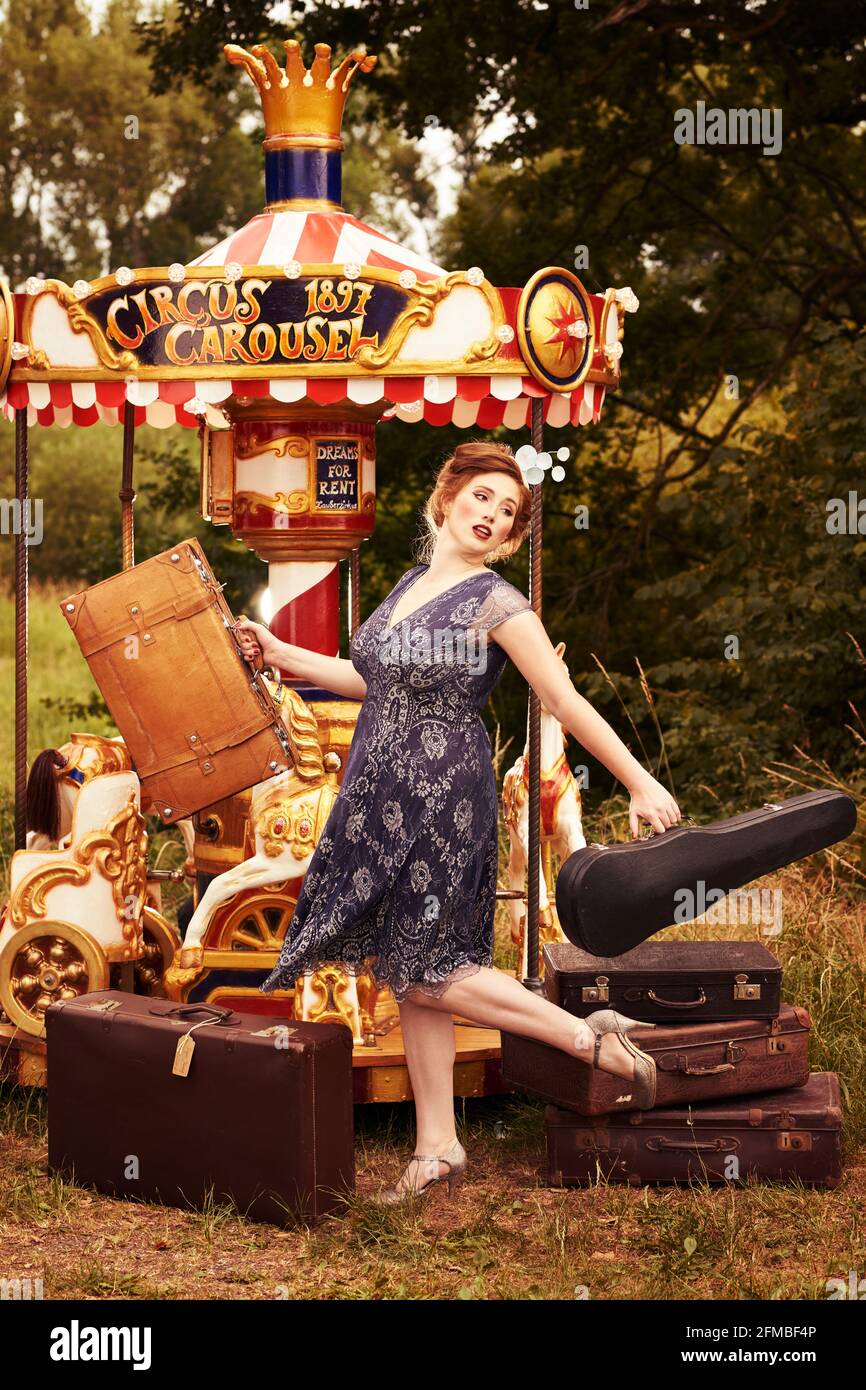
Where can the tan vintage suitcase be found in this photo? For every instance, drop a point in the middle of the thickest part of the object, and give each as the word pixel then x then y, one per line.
pixel 199 723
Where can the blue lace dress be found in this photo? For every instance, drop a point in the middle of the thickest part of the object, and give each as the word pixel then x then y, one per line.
pixel 402 882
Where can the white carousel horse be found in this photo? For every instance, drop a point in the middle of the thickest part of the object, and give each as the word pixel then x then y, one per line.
pixel 561 827
pixel 288 813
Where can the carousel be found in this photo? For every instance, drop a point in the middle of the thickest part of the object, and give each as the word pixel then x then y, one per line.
pixel 285 346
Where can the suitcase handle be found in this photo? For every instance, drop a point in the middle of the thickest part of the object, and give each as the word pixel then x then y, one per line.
pixel 258 660
pixel 669 1003
pixel 187 1010
pixel 708 1145
pixel 649 833
pixel 707 1071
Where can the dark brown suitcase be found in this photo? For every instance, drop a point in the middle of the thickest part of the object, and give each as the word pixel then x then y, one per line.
pixel 781 1136
pixel 610 897
pixel 264 1116
pixel 694 1061
pixel 659 981
pixel 159 639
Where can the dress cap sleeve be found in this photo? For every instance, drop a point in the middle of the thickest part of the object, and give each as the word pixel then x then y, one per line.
pixel 502 602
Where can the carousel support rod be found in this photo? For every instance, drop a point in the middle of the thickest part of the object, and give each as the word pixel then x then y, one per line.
pixel 127 491
pixel 354 590
pixel 127 539
pixel 22 597
pixel 533 979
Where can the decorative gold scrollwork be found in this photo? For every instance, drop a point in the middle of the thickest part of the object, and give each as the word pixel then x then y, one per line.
pixel 119 850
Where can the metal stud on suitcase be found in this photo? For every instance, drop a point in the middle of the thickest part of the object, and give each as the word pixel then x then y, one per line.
pixel 782 1136
pixel 660 981
pixel 159 640
pixel 694 1061
pixel 179 1102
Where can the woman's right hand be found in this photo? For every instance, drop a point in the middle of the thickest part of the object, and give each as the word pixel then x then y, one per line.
pixel 255 637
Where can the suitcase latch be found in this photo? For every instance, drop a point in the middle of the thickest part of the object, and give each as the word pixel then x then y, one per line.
pixel 775 1045
pixel 104 1006
pixel 795 1141
pixel 278 1030
pixel 743 990
pixel 205 761
pixel 140 623
pixel 597 993
pixel 592 1139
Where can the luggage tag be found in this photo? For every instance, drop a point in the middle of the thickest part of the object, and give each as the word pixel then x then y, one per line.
pixel 185 1048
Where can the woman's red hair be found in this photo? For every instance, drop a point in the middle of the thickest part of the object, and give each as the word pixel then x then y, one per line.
pixel 468 460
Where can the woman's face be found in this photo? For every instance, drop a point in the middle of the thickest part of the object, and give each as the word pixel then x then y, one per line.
pixel 482 513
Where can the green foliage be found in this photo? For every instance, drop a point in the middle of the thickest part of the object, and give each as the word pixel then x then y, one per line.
pixel 749 643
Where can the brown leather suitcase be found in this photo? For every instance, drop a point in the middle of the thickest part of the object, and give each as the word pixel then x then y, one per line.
pixel 782 1136
pixel 694 1061
pixel 659 981
pixel 264 1115
pixel 200 725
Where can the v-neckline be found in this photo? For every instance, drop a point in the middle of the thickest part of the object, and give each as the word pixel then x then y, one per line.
pixel 389 627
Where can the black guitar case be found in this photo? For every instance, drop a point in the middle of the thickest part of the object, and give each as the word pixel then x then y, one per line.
pixel 609 898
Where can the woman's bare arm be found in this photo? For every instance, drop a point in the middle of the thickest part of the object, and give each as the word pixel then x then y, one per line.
pixel 331 672
pixel 525 640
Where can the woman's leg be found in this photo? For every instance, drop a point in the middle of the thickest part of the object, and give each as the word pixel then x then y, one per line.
pixel 429 1045
pixel 499 1000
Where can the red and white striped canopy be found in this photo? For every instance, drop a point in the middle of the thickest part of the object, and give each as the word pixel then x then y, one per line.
pixel 465 401
pixel 331 238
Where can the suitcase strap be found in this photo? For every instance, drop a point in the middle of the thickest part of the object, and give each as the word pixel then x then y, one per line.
pixel 203 750
pixel 143 622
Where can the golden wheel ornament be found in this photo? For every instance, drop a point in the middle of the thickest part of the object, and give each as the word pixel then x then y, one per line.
pixel 259 923
pixel 45 962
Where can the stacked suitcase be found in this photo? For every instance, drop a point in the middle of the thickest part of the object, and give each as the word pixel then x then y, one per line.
pixel 734 1097
pixel 734 1094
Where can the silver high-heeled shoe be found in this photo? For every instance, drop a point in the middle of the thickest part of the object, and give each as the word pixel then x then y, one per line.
pixel 644 1080
pixel 454 1156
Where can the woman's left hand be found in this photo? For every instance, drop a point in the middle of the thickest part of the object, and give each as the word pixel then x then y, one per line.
pixel 652 801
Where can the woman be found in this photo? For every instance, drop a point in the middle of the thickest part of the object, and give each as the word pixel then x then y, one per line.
pixel 403 879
